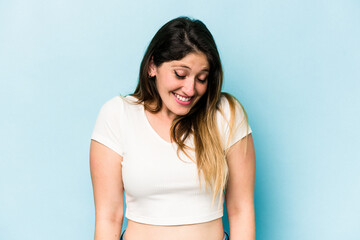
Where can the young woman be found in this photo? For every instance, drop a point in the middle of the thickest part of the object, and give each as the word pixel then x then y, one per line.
pixel 177 146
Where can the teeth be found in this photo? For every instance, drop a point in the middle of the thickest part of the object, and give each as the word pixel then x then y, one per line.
pixel 182 98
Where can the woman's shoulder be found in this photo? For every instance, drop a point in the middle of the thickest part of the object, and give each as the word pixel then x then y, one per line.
pixel 228 104
pixel 232 119
pixel 119 101
pixel 231 112
pixel 117 107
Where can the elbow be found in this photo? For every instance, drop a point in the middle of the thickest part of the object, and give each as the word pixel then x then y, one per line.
pixel 110 216
pixel 240 209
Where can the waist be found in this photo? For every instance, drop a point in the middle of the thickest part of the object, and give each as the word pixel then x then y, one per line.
pixel 211 230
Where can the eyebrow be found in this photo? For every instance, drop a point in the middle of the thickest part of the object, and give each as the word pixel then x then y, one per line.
pixel 184 66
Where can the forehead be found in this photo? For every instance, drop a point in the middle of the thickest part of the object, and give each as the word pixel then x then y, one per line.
pixel 193 61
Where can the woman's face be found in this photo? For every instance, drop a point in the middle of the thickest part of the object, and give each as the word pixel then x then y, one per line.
pixel 181 83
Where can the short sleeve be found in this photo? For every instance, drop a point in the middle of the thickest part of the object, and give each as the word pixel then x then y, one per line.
pixel 241 127
pixel 107 128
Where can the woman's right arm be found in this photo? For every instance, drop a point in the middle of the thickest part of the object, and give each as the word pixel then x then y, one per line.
pixel 105 166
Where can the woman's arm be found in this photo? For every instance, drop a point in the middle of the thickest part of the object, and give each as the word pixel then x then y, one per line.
pixel 105 166
pixel 240 190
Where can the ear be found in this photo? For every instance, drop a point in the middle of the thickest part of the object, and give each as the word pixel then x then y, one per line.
pixel 152 68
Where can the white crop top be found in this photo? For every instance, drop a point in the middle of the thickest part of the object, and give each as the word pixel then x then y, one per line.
pixel 160 189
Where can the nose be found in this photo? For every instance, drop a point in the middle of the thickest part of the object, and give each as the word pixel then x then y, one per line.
pixel 189 87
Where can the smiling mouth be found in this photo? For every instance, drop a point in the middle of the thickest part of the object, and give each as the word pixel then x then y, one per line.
pixel 181 98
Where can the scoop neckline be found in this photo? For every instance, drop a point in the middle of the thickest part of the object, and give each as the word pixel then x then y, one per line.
pixel 147 123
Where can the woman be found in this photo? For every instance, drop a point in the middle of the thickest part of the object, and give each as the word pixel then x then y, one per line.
pixel 176 145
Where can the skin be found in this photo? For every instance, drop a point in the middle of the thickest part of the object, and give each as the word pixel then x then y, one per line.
pixel 106 169
pixel 186 77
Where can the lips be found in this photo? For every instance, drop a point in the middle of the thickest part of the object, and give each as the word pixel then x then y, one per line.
pixel 182 100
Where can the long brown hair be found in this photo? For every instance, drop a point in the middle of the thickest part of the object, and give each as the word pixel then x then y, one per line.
pixel 173 41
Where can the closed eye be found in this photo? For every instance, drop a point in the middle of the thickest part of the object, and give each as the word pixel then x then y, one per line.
pixel 179 76
pixel 202 80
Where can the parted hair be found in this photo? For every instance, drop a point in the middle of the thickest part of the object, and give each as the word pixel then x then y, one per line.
pixel 174 41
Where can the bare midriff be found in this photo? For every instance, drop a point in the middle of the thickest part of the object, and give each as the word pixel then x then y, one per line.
pixel 212 230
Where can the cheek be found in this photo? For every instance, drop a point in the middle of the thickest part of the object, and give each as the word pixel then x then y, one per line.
pixel 162 83
pixel 202 89
pixel 167 81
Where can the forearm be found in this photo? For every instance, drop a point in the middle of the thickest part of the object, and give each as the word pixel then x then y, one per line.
pixel 108 229
pixel 242 225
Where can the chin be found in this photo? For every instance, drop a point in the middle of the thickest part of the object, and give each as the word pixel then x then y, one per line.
pixel 181 112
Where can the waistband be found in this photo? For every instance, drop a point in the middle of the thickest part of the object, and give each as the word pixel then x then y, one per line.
pixel 226 236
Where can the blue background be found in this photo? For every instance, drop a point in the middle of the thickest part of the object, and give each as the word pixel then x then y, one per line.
pixel 293 64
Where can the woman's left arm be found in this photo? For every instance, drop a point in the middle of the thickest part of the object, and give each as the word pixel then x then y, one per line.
pixel 240 190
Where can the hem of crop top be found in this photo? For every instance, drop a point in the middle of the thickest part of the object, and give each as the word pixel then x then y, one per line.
pixel 174 221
